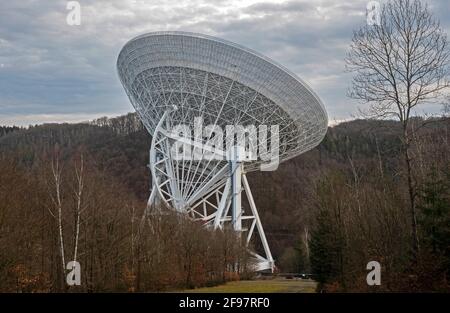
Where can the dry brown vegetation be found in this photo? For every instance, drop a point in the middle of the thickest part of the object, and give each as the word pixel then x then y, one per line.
pixel 47 216
pixel 330 211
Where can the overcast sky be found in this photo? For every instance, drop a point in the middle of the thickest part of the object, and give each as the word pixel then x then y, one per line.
pixel 53 72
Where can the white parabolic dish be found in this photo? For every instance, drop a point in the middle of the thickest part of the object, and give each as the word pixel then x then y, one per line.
pixel 207 76
pixel 224 84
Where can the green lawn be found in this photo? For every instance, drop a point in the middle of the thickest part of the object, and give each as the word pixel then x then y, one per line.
pixel 259 286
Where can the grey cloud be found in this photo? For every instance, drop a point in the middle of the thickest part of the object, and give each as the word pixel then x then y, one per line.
pixel 51 69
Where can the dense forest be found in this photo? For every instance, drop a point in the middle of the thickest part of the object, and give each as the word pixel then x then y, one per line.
pixel 327 212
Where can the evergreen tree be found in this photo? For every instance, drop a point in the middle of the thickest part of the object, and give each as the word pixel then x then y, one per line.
pixel 435 217
pixel 326 240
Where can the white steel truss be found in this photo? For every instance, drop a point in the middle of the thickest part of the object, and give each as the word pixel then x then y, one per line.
pixel 224 83
pixel 171 78
pixel 217 200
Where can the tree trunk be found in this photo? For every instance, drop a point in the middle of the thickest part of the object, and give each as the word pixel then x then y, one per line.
pixel 412 196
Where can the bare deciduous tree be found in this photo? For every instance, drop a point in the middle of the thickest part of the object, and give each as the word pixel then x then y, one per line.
pixel 78 192
pixel 57 201
pixel 400 64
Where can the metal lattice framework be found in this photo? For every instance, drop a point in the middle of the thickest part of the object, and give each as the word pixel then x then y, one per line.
pixel 173 77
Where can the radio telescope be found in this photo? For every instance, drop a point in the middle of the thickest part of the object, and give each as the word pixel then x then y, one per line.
pixel 179 80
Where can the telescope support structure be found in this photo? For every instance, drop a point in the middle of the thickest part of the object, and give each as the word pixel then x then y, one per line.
pixel 217 203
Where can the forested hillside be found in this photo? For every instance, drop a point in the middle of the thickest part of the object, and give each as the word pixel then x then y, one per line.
pixel 329 211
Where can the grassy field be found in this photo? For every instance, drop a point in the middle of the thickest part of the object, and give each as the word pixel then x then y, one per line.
pixel 259 286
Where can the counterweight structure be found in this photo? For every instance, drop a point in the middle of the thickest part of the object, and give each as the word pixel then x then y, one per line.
pixel 178 79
